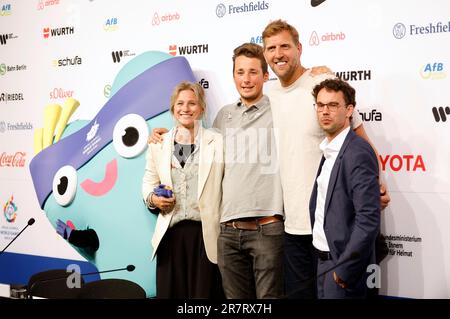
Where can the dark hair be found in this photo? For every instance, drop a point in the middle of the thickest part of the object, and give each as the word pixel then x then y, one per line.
pixel 251 50
pixel 336 85
pixel 278 26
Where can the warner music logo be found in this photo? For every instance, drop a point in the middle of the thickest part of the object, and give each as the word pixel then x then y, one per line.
pixel 221 9
pixel 399 30
pixel 168 17
pixel 4 38
pixel 360 75
pixel 12 160
pixel 118 55
pixel 258 39
pixel 59 93
pixel 56 32
pixel 6 10
pixel 68 62
pixel 42 4
pixel 11 97
pixel 190 49
pixel 371 116
pixel 11 68
pixel 441 113
pixel 315 39
pixel 18 126
pixel 111 24
pixel 433 71
pixel 398 163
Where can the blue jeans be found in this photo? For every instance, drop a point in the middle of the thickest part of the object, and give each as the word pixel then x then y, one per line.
pixel 251 261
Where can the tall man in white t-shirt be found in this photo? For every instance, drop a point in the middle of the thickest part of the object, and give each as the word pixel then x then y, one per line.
pixel 299 136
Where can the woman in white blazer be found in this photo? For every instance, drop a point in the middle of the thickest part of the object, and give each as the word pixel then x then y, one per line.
pixel 190 162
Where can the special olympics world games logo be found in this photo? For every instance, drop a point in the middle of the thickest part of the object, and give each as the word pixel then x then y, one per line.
pixel 221 10
pixel 399 30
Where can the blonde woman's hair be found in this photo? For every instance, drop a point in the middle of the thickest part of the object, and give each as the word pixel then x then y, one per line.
pixel 194 87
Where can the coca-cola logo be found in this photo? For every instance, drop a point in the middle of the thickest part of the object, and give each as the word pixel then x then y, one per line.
pixel 13 160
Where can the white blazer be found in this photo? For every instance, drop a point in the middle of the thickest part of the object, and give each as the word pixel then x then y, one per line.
pixel 209 193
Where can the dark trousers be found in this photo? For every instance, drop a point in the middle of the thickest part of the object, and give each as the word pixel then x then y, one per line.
pixel 299 267
pixel 327 288
pixel 183 271
pixel 251 261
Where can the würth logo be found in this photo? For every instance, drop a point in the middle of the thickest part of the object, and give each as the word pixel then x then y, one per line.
pixel 441 113
pixel 190 49
pixel 58 31
pixel 116 55
pixel 3 38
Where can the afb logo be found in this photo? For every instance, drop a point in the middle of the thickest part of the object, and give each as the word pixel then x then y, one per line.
pixel 433 71
pixel 6 10
pixel 399 30
pixel 441 113
pixel 111 24
pixel 258 39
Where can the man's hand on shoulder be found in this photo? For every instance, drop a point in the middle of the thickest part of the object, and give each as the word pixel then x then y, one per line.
pixel 156 136
pixel 318 70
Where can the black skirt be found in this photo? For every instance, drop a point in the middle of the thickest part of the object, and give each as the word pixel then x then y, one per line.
pixel 183 271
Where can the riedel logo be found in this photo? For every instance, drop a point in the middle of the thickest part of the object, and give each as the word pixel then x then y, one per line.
pixel 441 113
pixel 11 97
pixel 314 39
pixel 406 163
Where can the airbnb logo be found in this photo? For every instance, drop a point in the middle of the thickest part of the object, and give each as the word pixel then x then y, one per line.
pixel 402 163
pixel 16 160
pixel 314 39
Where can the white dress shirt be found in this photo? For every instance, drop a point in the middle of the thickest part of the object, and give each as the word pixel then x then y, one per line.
pixel 330 150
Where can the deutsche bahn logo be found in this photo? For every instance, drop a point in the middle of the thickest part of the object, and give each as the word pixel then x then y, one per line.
pixel 116 55
pixel 3 38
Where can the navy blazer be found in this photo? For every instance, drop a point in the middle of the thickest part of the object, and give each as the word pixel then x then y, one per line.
pixel 352 207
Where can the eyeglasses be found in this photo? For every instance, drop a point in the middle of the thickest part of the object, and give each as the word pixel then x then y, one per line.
pixel 332 106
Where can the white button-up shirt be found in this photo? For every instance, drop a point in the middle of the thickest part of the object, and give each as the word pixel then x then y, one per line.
pixel 330 150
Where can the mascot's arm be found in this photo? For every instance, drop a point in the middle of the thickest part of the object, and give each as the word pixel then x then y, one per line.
pixel 86 239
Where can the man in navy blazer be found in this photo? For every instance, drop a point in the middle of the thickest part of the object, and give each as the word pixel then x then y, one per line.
pixel 345 201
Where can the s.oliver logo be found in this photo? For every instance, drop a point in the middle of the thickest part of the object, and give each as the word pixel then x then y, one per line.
pixel 406 163
pixel 12 160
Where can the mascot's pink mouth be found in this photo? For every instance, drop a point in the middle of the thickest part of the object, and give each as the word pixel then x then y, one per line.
pixel 70 224
pixel 103 187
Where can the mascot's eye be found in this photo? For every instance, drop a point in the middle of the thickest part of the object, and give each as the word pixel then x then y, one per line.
pixel 65 185
pixel 130 135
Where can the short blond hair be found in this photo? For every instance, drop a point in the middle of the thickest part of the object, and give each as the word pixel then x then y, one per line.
pixel 194 87
pixel 277 26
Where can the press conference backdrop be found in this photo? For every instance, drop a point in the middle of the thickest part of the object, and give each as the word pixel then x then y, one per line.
pixel 395 53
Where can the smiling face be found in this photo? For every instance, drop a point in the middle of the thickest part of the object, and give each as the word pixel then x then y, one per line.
pixel 283 57
pixel 249 79
pixel 187 108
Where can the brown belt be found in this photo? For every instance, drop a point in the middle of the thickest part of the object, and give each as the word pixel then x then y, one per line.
pixel 253 223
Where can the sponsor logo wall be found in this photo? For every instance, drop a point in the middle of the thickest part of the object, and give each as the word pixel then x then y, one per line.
pixel 51 50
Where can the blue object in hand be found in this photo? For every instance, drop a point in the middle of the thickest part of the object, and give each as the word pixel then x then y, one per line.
pixel 63 229
pixel 163 191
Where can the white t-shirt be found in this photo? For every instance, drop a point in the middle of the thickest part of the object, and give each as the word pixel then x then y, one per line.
pixel 298 136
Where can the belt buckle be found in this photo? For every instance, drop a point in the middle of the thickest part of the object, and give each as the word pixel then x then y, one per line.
pixel 234 225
